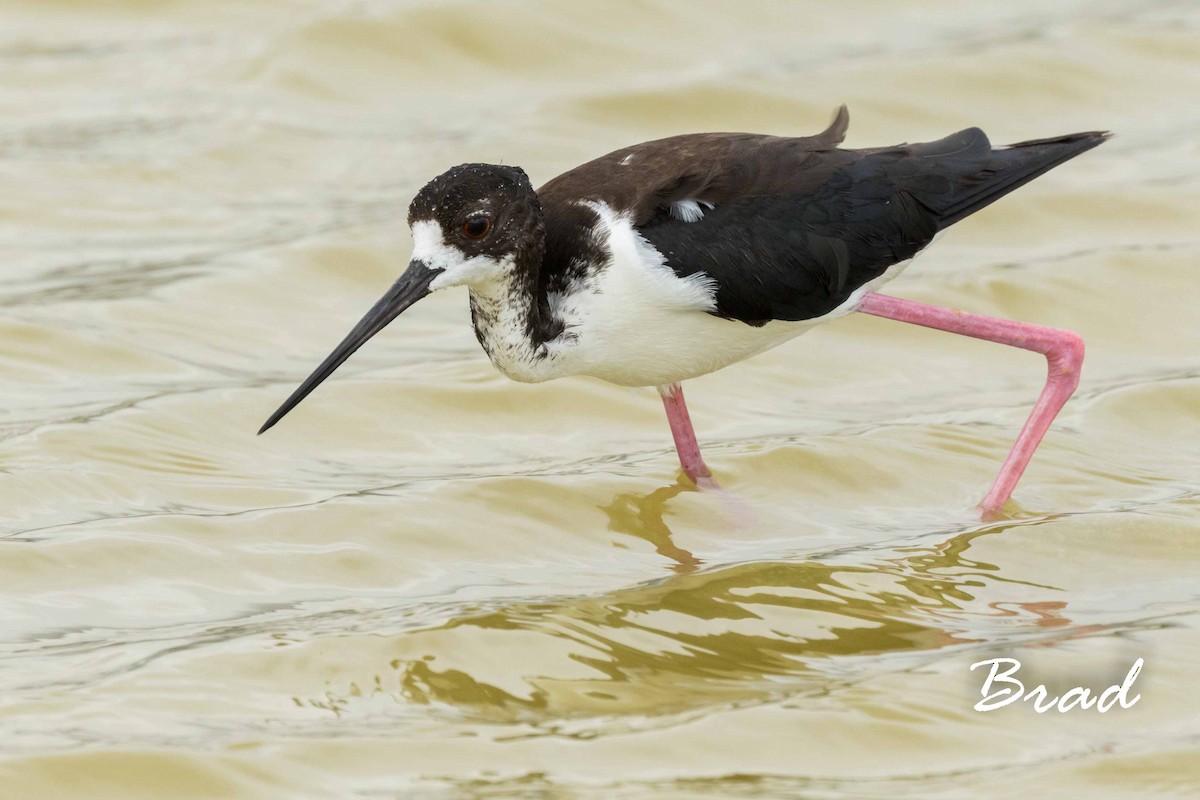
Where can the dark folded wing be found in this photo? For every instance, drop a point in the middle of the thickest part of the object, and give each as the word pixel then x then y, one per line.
pixel 645 179
pixel 797 256
pixel 791 227
pixel 798 252
pixel 714 167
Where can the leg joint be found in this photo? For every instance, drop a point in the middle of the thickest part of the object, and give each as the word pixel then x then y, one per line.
pixel 1065 355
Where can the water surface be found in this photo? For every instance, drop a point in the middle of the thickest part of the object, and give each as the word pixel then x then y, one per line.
pixel 431 582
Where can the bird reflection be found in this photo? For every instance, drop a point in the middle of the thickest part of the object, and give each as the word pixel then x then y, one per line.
pixel 757 631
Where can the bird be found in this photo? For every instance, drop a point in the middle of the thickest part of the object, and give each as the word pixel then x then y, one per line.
pixel 671 259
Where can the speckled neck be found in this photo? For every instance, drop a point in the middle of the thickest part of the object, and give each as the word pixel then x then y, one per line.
pixel 513 322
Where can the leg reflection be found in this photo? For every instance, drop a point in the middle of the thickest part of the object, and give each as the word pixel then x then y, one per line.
pixel 642 516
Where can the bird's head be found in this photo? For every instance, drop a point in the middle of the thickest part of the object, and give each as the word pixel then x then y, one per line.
pixel 473 225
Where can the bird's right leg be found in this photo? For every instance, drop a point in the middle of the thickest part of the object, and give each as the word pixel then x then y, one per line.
pixel 1064 356
pixel 685 437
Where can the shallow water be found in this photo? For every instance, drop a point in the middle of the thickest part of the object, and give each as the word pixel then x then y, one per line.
pixel 431 582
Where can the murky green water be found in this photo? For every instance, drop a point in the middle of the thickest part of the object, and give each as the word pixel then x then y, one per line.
pixel 431 582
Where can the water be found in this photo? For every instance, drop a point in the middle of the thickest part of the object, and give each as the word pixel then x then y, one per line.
pixel 431 582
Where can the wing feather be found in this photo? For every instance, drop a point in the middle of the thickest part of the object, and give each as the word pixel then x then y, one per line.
pixel 788 228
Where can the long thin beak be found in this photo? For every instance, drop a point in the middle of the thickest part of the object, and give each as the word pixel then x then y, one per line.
pixel 408 289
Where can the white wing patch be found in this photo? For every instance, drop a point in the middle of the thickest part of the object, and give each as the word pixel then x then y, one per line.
pixel 690 210
pixel 635 322
pixel 640 273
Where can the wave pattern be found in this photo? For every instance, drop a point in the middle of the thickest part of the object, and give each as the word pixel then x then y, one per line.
pixel 429 582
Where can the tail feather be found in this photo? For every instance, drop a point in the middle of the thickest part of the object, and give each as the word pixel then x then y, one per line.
pixel 1004 169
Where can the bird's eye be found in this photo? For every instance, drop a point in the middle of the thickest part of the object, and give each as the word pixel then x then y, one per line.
pixel 477 226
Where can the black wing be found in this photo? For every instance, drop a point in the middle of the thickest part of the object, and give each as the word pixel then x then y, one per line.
pixel 796 225
pixel 646 178
pixel 798 256
pixel 794 255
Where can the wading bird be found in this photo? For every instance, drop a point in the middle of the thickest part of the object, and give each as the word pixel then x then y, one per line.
pixel 673 258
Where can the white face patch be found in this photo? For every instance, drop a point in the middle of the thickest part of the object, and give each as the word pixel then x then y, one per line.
pixel 429 247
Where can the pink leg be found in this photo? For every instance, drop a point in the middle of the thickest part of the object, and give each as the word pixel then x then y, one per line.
pixel 685 437
pixel 1063 351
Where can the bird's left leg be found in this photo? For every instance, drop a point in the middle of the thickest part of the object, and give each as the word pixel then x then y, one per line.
pixel 1064 355
pixel 685 437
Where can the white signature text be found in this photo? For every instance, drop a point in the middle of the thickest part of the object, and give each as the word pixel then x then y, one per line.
pixel 1001 688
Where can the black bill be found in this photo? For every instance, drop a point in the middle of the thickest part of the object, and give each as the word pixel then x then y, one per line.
pixel 408 289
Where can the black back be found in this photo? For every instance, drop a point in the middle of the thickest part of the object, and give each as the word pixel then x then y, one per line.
pixel 796 224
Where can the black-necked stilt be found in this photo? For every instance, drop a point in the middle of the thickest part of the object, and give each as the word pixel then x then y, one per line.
pixel 673 258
